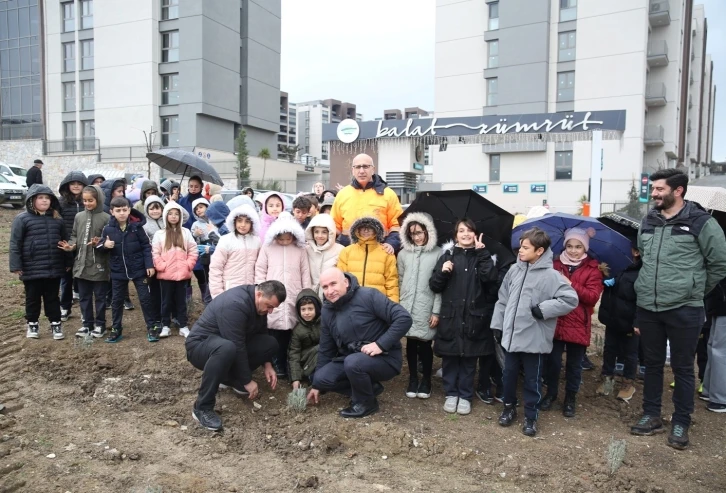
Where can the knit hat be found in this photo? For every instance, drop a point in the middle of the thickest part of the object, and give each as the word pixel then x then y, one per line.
pixel 582 235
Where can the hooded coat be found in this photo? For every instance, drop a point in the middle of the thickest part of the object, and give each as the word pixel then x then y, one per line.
pixel 234 259
pixel 34 240
pixel 71 207
pixel 415 266
pixel 91 264
pixel 217 213
pixel 287 264
pixel 200 222
pixel 166 187
pixel 325 256
pixel 145 187
pixel 369 262
pixel 524 287
pixel 153 225
pixel 265 219
pixel 92 178
pixel 130 256
pixel 239 200
pixel 576 326
pixel 303 352
pixel 108 187
pixel 618 305
pixel 187 201
pixel 175 264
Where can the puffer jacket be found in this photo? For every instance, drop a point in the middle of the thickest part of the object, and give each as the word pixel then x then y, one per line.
pixel 153 225
pixel 618 305
pixel 325 256
pixel 265 219
pixel 287 264
pixel 415 266
pixel 200 222
pixel 34 240
pixel 234 259
pixel 131 254
pixel 175 264
pixel 369 262
pixel 108 187
pixel 71 207
pixel 92 178
pixel 91 264
pixel 576 326
pixel 524 287
pixel 303 351
pixel 145 187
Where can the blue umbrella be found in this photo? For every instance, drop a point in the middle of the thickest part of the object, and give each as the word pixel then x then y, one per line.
pixel 607 245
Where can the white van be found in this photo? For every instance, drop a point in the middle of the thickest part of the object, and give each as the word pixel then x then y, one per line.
pixel 15 174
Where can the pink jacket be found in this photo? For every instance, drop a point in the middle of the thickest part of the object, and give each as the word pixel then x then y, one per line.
pixel 287 264
pixel 265 219
pixel 175 264
pixel 233 261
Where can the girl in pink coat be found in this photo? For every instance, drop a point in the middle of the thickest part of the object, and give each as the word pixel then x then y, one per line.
pixel 175 254
pixel 283 258
pixel 273 204
pixel 233 261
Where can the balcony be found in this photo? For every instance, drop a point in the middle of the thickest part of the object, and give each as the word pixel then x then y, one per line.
pixel 655 94
pixel 688 127
pixel 660 13
pixel 654 135
pixel 657 53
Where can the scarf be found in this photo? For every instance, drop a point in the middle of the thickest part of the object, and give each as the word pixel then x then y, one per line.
pixel 567 260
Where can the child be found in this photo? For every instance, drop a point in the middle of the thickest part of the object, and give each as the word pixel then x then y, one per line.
pixel 154 209
pixel 96 179
pixel 201 228
pixel 233 261
pixel 148 189
pixel 90 267
pixel 367 261
pixel 34 256
pixel 531 298
pixel 573 330
pixel 217 213
pixel 617 313
pixel 303 354
pixel 112 188
pixel 416 260
pixel 461 276
pixel 170 191
pixel 301 209
pixel 71 203
pixel 322 249
pixel 175 253
pixel 130 260
pixel 273 204
pixel 283 258
pixel 327 205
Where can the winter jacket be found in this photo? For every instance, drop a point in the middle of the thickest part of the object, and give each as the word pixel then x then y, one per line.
pixel 91 264
pixel 415 266
pixel 303 351
pixel 232 316
pixel 239 200
pixel 683 258
pixel 186 202
pixel 715 302
pixel 377 200
pixel 108 187
pixel 166 187
pixel 131 253
pixel 34 240
pixel 200 222
pixel 321 257
pixel 234 259
pixel 175 264
pixel 152 225
pixel 369 262
pixel 217 213
pixel 145 187
pixel 362 315
pixel 92 178
pixel 69 208
pixel 618 305
pixel 287 264
pixel 34 176
pixel 265 219
pixel 524 287
pixel 467 301
pixel 576 326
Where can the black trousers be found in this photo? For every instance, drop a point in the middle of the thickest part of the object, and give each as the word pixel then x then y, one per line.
pixel 573 367
pixel 155 294
pixel 67 285
pixel 622 346
pixel 354 376
pixel 532 390
pixel 417 349
pixel 283 342
pixel 88 290
pixel 202 276
pixel 489 372
pixel 702 348
pixel 173 300
pixel 458 375
pixel 150 312
pixel 680 326
pixel 43 291
pixel 217 358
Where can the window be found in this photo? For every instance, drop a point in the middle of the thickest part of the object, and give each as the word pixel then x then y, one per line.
pixel 88 88
pixel 170 131
pixel 87 55
pixel 170 89
pixel 69 57
pixel 69 17
pixel 170 47
pixel 568 10
pixel 169 9
pixel 493 16
pixel 494 162
pixel 86 14
pixel 493 50
pixel 567 46
pixel 69 136
pixel 492 91
pixel 563 165
pixel 566 86
pixel 69 96
pixel 89 134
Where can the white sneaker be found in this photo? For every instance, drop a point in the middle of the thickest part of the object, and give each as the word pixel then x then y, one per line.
pixel 98 332
pixel 165 332
pixel 57 330
pixel 450 404
pixel 65 314
pixel 184 332
pixel 440 373
pixel 83 332
pixel 464 407
pixel 236 391
pixel 32 332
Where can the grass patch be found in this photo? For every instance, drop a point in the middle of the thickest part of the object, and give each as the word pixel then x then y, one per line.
pixel 453 417
pixel 15 282
pixel 18 314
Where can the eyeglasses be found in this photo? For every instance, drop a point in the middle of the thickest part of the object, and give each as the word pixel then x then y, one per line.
pixel 362 166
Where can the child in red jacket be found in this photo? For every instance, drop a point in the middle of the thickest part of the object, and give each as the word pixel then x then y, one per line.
pixel 585 274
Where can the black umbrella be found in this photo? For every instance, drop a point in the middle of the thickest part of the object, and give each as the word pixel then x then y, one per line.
pixel 179 161
pixel 447 207
pixel 623 224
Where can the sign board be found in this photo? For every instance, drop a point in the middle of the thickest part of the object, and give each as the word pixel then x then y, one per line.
pixel 309 167
pixel 510 188
pixel 418 166
pixel 538 188
pixel 480 188
pixel 644 188
pixel 545 204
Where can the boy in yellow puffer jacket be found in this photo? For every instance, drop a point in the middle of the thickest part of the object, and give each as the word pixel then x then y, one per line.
pixel 367 260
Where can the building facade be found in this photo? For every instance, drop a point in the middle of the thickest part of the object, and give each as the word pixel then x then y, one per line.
pixel 287 137
pixel 311 116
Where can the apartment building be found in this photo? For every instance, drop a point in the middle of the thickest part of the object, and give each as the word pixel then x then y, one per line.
pixel 546 56
pixel 287 137
pixel 405 114
pixel 311 116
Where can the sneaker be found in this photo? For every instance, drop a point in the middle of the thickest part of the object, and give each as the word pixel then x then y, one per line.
pixel 98 332
pixel 716 407
pixel 464 407
pixel 678 439
pixel 207 419
pixel 237 391
pixel 485 396
pixel 57 329
pixel 450 404
pixel 606 387
pixel 424 389
pixel 152 334
pixel 165 332
pixel 184 332
pixel 700 388
pixel 114 336
pixel 76 297
pixel 439 373
pixel 65 315
pixel 587 364
pixel 546 403
pixel 83 332
pixel 499 395
pixel 128 305
pixel 704 397
pixel 529 427
pixel 647 426
pixel 412 387
pixel 508 415
pixel 626 391
pixel 32 332
pixel 570 405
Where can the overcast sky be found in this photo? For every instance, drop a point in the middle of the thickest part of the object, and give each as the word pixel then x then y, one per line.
pixel 382 56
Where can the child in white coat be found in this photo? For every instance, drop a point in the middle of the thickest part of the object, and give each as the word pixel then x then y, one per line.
pixel 322 249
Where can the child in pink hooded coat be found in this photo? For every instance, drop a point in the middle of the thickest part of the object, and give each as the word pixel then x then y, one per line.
pixel 273 204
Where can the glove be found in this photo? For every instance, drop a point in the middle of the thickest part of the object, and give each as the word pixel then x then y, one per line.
pixel 537 313
pixel 609 282
pixel 202 249
pixel 497 335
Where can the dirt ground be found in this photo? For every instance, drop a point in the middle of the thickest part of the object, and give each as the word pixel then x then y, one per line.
pixel 117 418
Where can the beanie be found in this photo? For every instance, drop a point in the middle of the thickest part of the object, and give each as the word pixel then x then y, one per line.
pixel 582 235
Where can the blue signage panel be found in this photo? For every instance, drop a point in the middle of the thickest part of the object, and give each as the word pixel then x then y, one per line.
pixel 538 188
pixel 418 166
pixel 479 188
pixel 510 188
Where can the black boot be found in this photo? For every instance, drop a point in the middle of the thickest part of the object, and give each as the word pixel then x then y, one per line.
pixel 412 386
pixel 546 403
pixel 508 415
pixel 568 408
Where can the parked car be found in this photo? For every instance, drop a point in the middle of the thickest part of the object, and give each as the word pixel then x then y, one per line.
pixel 15 174
pixel 12 193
